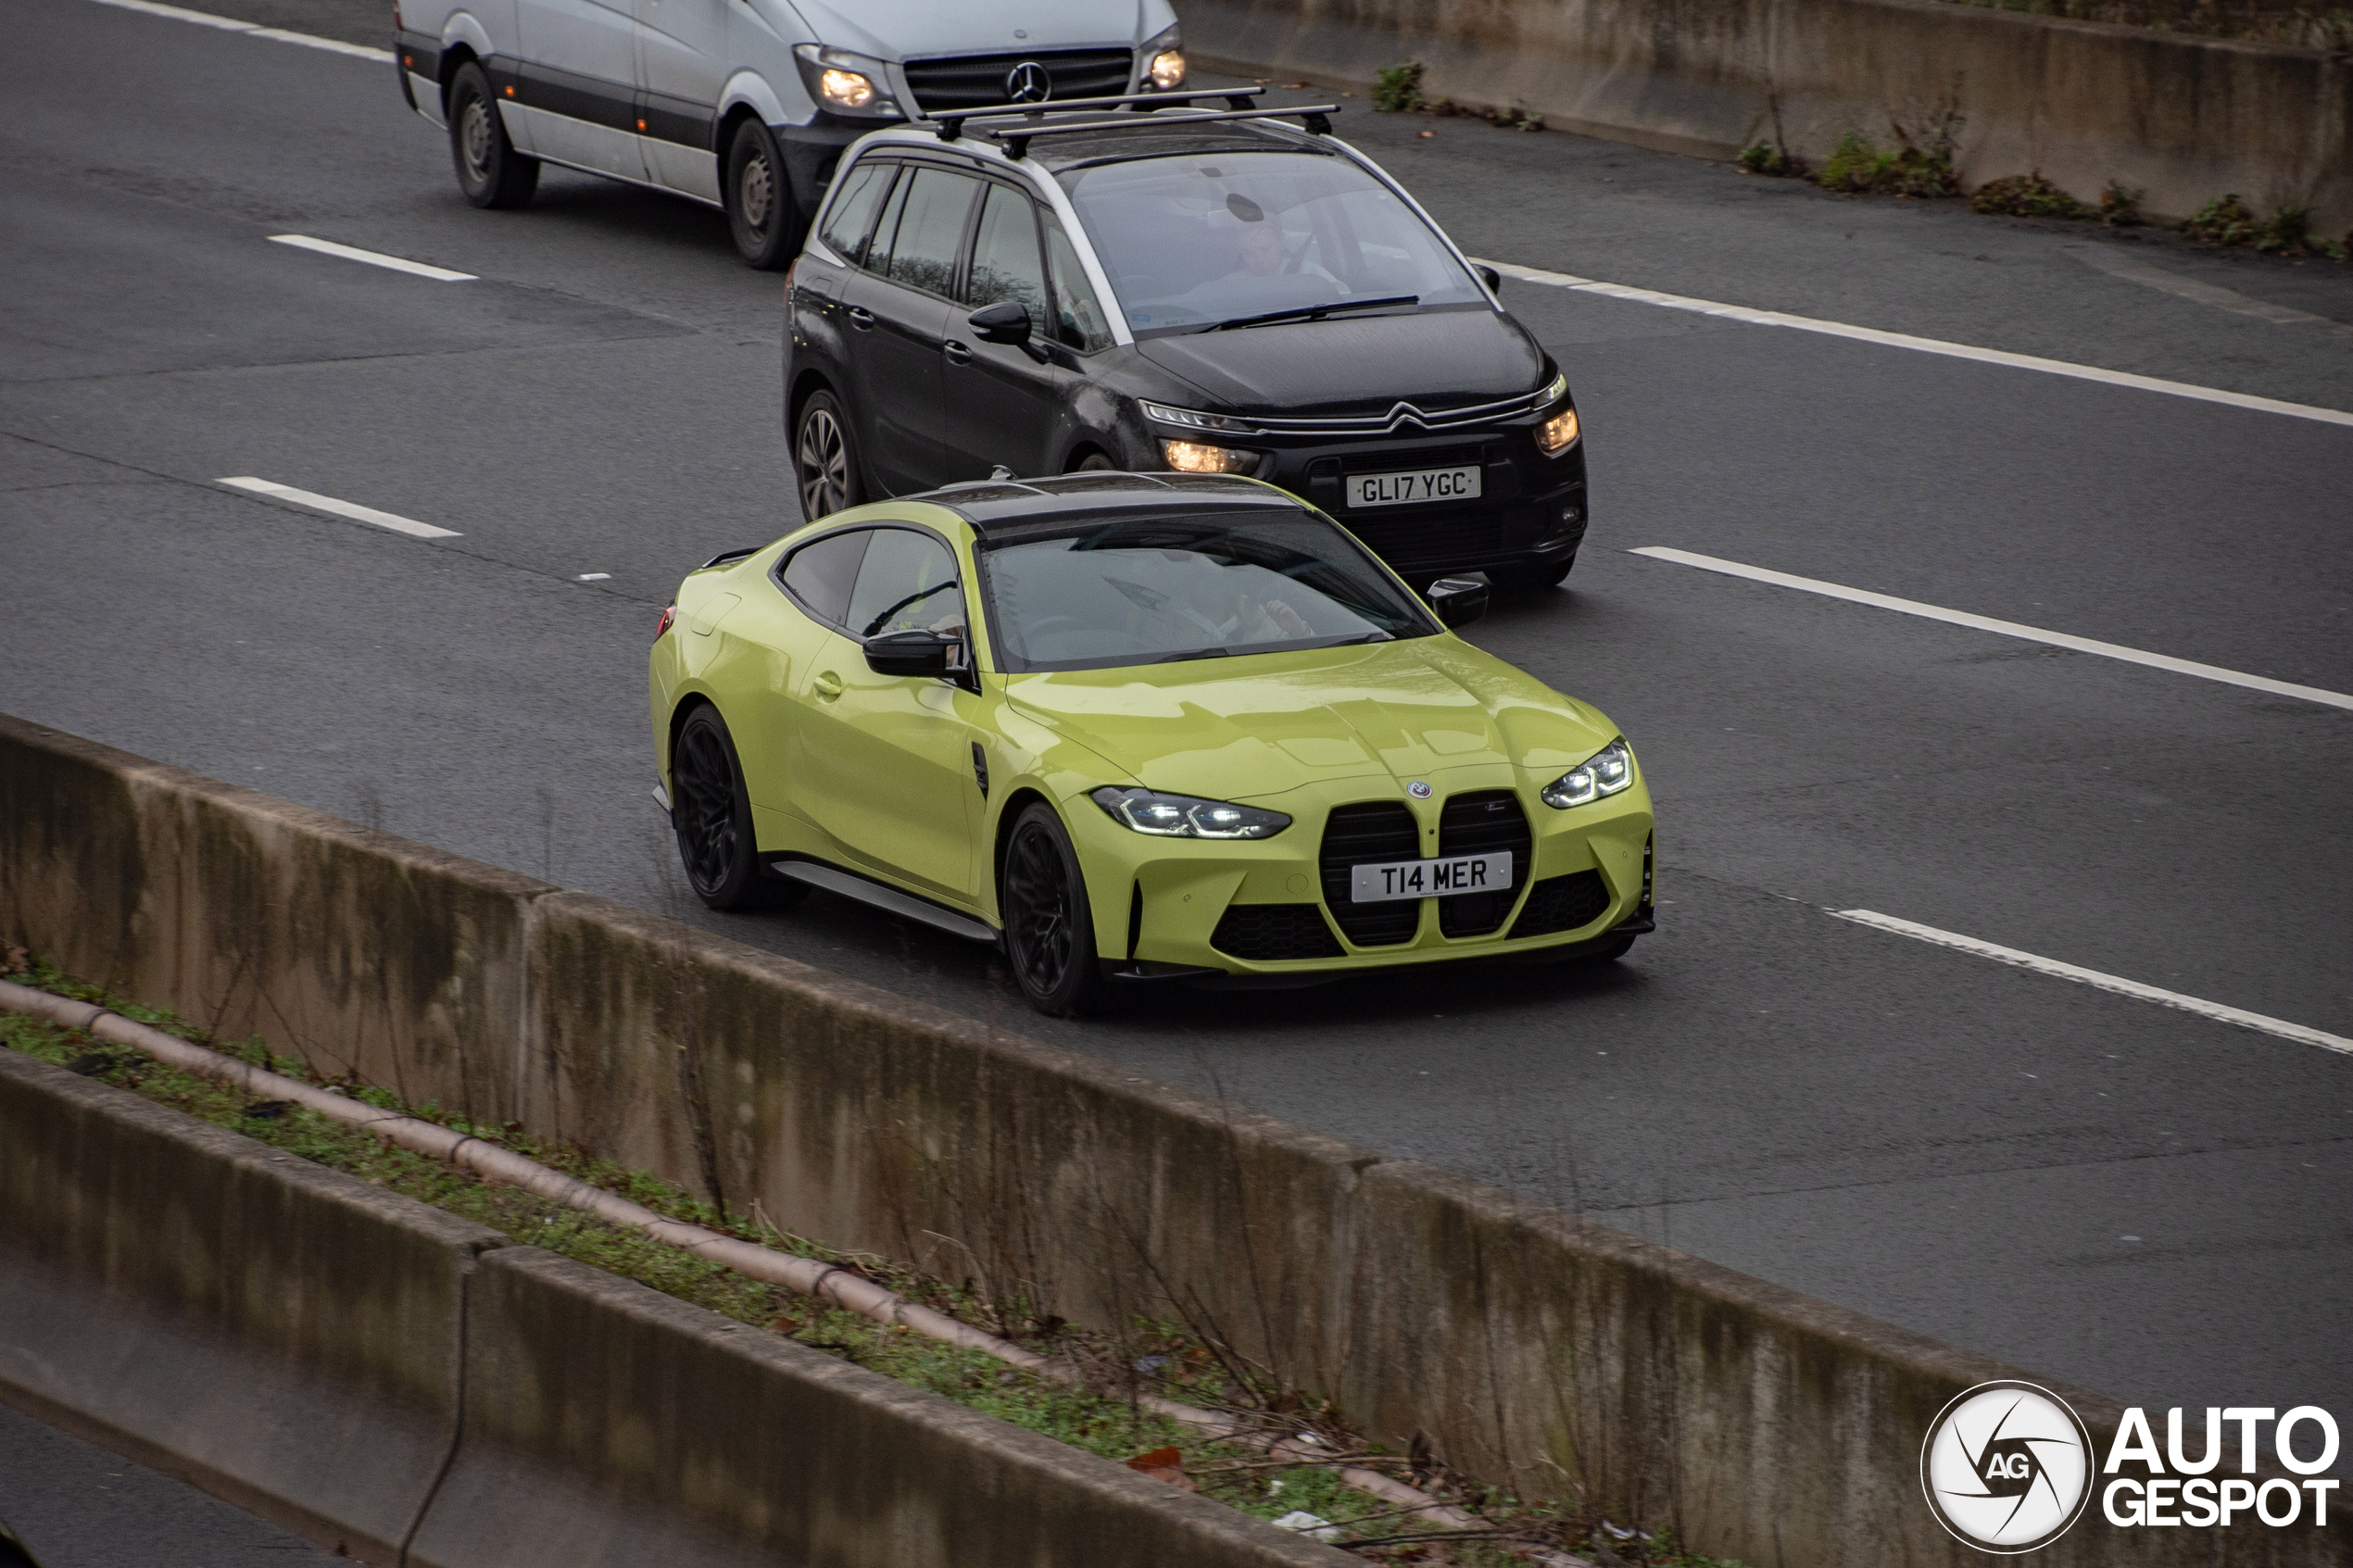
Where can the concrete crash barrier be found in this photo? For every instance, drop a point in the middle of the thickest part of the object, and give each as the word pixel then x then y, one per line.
pixel 410 1388
pixel 2085 102
pixel 1527 1347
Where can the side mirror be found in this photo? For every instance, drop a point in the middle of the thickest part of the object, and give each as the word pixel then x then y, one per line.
pixel 1457 600
pixel 1008 322
pixel 1488 275
pixel 913 653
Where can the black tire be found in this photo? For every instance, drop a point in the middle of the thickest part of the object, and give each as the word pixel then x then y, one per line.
pixel 824 457
pixel 761 209
pixel 1536 578
pixel 489 169
pixel 1049 930
pixel 710 812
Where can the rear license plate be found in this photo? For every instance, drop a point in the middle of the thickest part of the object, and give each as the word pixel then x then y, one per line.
pixel 1420 487
pixel 1429 879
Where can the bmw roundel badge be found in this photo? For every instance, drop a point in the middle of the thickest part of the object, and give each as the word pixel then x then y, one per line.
pixel 1419 790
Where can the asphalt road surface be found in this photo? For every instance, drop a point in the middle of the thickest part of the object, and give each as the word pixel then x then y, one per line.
pixel 2141 1200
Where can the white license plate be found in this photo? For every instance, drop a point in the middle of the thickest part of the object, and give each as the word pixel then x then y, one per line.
pixel 1429 879
pixel 1419 487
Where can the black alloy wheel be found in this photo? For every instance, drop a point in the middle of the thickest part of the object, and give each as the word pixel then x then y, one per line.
pixel 823 461
pixel 710 812
pixel 1531 579
pixel 1049 930
pixel 489 169
pixel 761 209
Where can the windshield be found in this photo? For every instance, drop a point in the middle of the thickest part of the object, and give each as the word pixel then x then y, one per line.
pixel 1146 591
pixel 1194 241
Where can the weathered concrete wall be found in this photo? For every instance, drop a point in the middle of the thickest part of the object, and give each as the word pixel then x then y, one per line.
pixel 2185 119
pixel 317 1350
pixel 1527 1346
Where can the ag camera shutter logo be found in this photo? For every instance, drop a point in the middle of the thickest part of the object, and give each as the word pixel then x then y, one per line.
pixel 2006 1467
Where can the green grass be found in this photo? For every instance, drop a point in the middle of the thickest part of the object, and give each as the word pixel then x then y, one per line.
pixel 1099 1415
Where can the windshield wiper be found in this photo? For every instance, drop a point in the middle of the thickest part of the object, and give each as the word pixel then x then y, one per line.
pixel 1315 312
pixel 1195 653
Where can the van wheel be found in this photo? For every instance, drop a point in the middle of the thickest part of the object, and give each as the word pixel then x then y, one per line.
pixel 489 169
pixel 761 209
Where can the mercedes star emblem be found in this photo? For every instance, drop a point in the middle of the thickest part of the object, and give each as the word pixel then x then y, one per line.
pixel 1028 83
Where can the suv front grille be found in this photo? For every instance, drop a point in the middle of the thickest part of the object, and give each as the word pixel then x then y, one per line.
pixel 1263 932
pixel 1374 831
pixel 1563 903
pixel 972 82
pixel 1487 822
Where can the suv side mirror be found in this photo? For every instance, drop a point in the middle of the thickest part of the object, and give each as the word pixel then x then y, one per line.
pixel 913 653
pixel 1457 600
pixel 1008 322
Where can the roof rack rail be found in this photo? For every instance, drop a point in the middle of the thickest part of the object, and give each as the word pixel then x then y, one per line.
pixel 950 124
pixel 1015 139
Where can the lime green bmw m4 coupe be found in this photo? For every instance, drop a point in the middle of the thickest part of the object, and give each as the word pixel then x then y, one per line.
pixel 1137 727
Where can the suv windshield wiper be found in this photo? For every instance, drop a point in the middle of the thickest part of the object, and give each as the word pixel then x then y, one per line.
pixel 1313 312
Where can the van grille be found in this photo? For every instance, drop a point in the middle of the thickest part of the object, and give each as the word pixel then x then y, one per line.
pixel 1354 835
pixel 972 82
pixel 1563 903
pixel 1487 822
pixel 1264 933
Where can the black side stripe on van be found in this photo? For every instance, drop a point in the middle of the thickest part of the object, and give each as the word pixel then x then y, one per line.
pixel 608 103
pixel 419 53
pixel 677 119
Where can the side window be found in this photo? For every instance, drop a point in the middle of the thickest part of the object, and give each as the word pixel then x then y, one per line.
pixel 931 231
pixel 852 212
pixel 907 582
pixel 819 575
pixel 1007 264
pixel 1078 320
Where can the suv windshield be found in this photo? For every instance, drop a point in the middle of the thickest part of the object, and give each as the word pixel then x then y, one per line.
pixel 1095 595
pixel 1205 238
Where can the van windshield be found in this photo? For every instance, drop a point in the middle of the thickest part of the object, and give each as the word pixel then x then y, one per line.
pixel 1196 240
pixel 1146 591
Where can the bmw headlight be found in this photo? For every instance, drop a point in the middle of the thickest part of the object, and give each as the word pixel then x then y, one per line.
pixel 1183 816
pixel 846 83
pixel 1608 772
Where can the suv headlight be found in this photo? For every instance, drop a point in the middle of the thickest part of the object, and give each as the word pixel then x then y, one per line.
pixel 1199 457
pixel 1192 418
pixel 845 84
pixel 1608 772
pixel 1164 63
pixel 1560 431
pixel 1183 816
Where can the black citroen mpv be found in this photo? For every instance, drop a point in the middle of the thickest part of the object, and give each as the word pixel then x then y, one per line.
pixel 1164 288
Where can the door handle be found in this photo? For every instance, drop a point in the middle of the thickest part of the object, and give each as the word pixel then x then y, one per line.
pixel 957 353
pixel 828 686
pixel 861 317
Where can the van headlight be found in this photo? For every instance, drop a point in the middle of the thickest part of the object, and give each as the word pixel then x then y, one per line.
pixel 1184 816
pixel 1164 67
pixel 845 84
pixel 1608 772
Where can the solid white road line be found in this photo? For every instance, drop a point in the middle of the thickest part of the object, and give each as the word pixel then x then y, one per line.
pixel 1922 344
pixel 2095 979
pixel 343 508
pixel 372 257
pixel 253 29
pixel 2004 628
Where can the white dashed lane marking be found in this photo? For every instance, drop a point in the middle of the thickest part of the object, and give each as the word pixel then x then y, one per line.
pixel 329 505
pixel 1921 345
pixel 2097 981
pixel 2003 628
pixel 372 257
pixel 252 29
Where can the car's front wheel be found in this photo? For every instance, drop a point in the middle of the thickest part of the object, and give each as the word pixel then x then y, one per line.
pixel 761 209
pixel 824 457
pixel 710 812
pixel 1049 930
pixel 489 169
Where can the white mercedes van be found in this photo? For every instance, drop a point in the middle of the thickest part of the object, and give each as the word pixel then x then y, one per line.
pixel 745 104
